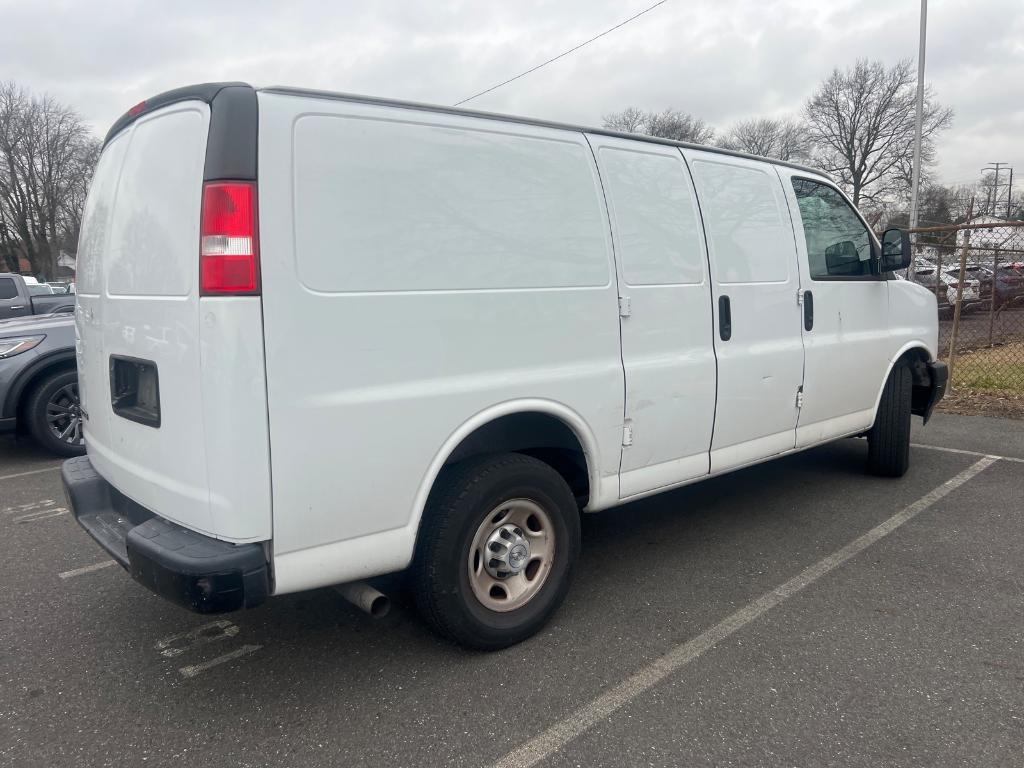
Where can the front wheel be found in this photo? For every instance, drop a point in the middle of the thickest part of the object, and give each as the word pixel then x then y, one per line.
pixel 889 436
pixel 498 542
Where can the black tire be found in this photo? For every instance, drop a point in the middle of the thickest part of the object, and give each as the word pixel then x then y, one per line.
pixel 889 436
pixel 54 385
pixel 463 496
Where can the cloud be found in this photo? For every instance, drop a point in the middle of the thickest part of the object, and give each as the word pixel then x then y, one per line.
pixel 723 60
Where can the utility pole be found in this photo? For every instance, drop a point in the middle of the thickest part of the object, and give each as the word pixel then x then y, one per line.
pixel 959 295
pixel 992 198
pixel 918 116
pixel 1009 196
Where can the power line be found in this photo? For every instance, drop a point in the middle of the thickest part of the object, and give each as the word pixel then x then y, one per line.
pixel 562 55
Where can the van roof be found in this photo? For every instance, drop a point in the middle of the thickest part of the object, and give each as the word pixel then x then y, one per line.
pixel 207 91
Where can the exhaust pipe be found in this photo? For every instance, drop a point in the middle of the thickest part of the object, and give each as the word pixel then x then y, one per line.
pixel 366 598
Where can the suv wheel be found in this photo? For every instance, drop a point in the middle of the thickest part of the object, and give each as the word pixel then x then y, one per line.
pixel 498 542
pixel 55 414
pixel 889 437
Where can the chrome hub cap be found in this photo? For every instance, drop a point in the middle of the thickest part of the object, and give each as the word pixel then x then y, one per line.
pixel 511 554
pixel 507 552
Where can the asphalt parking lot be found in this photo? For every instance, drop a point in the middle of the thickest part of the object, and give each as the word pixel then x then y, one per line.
pixel 798 613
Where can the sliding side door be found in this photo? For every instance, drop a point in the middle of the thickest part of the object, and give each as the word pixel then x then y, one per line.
pixel 665 308
pixel 755 281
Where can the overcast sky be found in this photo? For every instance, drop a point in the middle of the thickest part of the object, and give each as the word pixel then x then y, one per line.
pixel 722 60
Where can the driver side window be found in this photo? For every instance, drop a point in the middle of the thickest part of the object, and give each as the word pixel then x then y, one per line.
pixel 838 243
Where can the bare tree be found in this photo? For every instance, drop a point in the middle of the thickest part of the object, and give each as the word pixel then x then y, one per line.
pixel 782 139
pixel 629 120
pixel 668 124
pixel 679 126
pixel 861 125
pixel 46 161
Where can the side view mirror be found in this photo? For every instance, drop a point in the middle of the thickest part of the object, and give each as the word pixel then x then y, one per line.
pixel 896 250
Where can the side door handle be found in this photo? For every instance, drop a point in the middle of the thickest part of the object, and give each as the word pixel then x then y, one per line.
pixel 724 318
pixel 808 310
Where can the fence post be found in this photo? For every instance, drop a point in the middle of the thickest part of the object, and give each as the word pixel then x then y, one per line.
pixel 960 293
pixel 992 304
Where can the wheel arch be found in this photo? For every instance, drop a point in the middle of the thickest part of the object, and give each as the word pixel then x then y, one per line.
pixel 915 354
pixel 500 427
pixel 29 378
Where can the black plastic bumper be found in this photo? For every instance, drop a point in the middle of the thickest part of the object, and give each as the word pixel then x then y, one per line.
pixel 202 574
pixel 939 373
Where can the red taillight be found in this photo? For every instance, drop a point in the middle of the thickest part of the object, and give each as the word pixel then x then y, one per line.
pixel 228 251
pixel 137 110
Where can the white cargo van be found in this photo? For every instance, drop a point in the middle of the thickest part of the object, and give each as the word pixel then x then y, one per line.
pixel 325 337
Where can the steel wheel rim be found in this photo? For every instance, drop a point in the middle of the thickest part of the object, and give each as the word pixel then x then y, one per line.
pixel 513 591
pixel 64 415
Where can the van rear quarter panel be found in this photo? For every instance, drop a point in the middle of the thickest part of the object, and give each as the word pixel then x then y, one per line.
pixel 419 269
pixel 206 466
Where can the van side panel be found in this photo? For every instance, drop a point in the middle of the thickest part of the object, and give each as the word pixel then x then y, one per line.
pixel 419 269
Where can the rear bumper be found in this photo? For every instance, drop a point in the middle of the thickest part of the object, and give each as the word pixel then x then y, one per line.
pixel 202 574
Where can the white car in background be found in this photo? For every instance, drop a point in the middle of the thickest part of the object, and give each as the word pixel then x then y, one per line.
pixel 923 273
pixel 951 279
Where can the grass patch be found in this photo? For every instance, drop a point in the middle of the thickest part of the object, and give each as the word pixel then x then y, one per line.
pixel 999 369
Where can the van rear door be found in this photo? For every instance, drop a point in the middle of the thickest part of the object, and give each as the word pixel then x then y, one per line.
pixel 172 380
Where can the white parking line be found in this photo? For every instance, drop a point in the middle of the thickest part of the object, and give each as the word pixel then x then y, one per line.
pixel 30 472
pixel 35 510
pixel 196 669
pixel 965 453
pixel 193 638
pixel 561 733
pixel 41 514
pixel 29 505
pixel 87 569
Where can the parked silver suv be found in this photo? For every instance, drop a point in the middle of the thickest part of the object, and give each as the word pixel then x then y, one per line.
pixel 39 381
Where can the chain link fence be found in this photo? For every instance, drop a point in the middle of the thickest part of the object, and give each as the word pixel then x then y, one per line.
pixel 976 272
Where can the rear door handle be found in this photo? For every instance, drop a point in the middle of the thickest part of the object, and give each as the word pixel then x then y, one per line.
pixel 724 318
pixel 808 310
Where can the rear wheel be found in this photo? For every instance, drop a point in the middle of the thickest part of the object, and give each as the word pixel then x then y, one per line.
pixel 889 437
pixel 497 546
pixel 54 414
